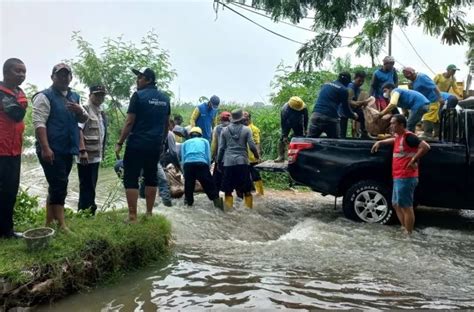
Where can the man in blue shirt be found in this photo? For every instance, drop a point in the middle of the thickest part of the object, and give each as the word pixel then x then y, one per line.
pixel 145 130
pixel 426 86
pixel 386 74
pixel 325 116
pixel 205 117
pixel 411 100
pixel 196 159
pixel 354 93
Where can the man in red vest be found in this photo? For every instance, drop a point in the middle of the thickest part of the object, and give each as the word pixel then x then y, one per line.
pixel 13 105
pixel 407 151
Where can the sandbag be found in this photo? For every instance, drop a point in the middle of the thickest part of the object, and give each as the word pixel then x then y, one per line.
pixel 374 125
pixel 176 182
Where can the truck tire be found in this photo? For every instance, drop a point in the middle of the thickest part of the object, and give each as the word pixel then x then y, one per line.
pixel 368 201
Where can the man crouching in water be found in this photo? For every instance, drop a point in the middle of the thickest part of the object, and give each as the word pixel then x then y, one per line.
pixel 407 151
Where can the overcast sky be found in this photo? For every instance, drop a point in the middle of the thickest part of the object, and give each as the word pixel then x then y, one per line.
pixel 227 56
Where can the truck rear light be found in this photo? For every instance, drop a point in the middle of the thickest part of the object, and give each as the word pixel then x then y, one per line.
pixel 295 148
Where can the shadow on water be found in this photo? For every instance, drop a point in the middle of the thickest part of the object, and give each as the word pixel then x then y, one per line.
pixel 293 251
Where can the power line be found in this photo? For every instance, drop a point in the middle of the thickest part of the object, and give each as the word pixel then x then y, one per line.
pixel 416 52
pixel 247 8
pixel 261 26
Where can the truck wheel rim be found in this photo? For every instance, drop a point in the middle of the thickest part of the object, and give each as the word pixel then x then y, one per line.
pixel 371 206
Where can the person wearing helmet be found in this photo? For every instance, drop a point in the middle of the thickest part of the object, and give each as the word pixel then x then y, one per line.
pixel 234 143
pixel 293 116
pixel 225 121
pixel 386 74
pixel 446 81
pixel 334 99
pixel 196 160
pixel 205 117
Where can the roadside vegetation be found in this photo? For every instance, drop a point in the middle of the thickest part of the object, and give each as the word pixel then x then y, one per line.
pixel 99 248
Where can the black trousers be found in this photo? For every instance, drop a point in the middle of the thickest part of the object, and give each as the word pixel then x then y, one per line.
pixel 217 176
pixel 57 175
pixel 9 184
pixel 200 172
pixel 88 175
pixel 322 124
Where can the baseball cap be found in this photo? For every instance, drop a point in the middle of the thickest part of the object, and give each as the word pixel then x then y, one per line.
pixel 97 89
pixel 409 70
pixel 61 66
pixel 388 59
pixel 452 67
pixel 215 101
pixel 148 73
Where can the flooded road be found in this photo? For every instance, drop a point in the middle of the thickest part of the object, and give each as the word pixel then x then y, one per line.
pixel 293 251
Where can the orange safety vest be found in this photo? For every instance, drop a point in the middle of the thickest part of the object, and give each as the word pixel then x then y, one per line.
pixel 402 154
pixel 11 132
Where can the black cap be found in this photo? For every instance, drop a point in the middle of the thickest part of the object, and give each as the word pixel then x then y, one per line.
pixel 61 66
pixel 148 73
pixel 97 89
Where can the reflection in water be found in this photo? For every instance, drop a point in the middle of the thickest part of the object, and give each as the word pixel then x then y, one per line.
pixel 293 251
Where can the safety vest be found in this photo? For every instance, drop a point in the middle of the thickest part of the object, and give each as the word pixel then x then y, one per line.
pixel 402 154
pixel 11 132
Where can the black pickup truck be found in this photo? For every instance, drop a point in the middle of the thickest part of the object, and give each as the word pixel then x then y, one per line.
pixel 346 167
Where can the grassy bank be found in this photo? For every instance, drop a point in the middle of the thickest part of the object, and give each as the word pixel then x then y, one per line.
pixel 98 249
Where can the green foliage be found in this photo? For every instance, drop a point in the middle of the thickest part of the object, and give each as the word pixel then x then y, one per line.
pixel 26 210
pixel 437 17
pixel 112 68
pixel 69 256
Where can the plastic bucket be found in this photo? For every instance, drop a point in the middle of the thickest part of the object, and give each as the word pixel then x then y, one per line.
pixel 38 238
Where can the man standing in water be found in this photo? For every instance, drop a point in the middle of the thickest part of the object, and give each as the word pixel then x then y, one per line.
pixel 407 151
pixel 13 105
pixel 233 144
pixel 56 112
pixel 145 131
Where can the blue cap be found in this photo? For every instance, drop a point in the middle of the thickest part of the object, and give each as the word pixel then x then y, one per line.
pixel 215 101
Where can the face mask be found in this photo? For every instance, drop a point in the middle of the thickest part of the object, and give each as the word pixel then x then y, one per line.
pixel 386 95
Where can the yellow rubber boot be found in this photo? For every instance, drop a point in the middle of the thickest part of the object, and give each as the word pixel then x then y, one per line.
pixel 248 199
pixel 229 202
pixel 259 187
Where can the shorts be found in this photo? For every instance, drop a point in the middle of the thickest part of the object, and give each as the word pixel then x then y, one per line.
pixel 237 178
pixel 134 161
pixel 403 192
pixel 57 175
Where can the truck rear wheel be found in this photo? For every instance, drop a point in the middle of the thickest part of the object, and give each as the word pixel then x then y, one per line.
pixel 368 201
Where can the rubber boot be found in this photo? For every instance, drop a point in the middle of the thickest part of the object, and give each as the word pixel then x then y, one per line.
pixel 218 203
pixel 248 199
pixel 229 202
pixel 259 187
pixel 281 152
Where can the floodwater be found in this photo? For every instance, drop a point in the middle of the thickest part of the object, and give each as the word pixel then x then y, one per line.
pixel 293 251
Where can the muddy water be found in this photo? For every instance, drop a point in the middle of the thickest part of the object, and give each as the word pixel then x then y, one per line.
pixel 293 251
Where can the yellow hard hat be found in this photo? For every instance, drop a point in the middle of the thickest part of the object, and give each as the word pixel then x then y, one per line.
pixel 296 103
pixel 196 130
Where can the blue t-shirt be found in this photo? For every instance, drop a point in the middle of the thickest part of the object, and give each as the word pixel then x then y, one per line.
pixel 332 95
pixel 381 77
pixel 447 95
pixel 152 110
pixel 356 89
pixel 426 86
pixel 410 99
pixel 196 150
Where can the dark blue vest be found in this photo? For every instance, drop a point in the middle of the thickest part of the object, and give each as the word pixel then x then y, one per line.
pixel 149 129
pixel 61 127
pixel 205 120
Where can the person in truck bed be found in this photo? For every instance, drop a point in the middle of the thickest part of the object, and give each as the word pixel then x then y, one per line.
pixel 407 151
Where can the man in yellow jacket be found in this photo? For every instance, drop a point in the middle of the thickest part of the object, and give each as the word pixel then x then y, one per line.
pixel 446 81
pixel 256 178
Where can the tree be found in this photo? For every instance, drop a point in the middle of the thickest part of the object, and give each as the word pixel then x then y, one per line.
pixel 112 68
pixel 437 17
